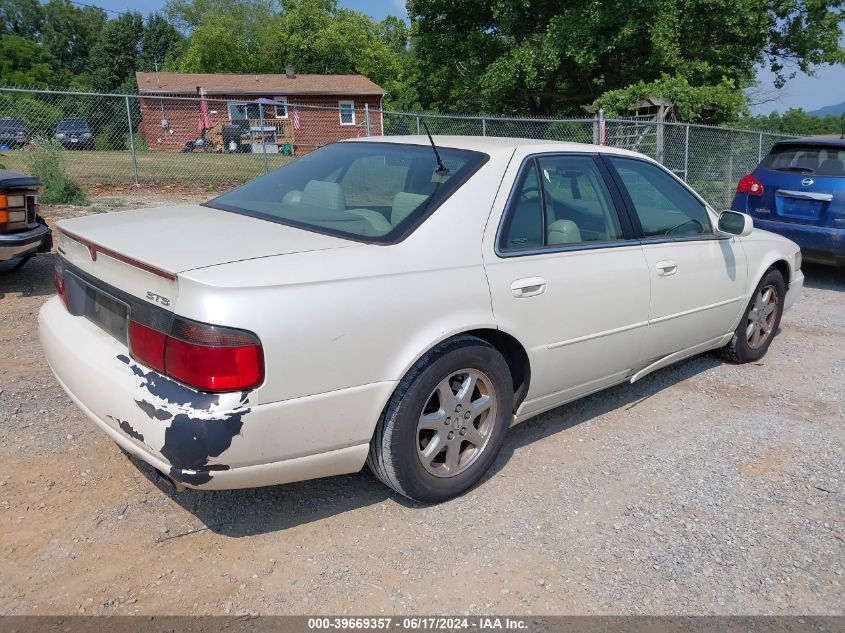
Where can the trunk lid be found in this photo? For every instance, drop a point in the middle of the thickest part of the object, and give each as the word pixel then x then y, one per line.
pixel 140 253
pixel 178 238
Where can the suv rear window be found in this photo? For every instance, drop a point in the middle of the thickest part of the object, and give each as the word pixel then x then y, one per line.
pixel 72 125
pixel 12 125
pixel 370 192
pixel 821 160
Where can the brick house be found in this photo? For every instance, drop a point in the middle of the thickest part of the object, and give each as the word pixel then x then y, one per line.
pixel 289 112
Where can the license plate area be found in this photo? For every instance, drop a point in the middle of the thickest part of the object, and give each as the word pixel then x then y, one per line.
pixel 798 208
pixel 102 309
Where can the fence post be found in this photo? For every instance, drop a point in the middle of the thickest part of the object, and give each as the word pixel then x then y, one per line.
pixel 367 117
pixel 760 147
pixel 602 128
pixel 418 124
pixel 686 153
pixel 132 142
pixel 483 127
pixel 729 171
pixel 659 142
pixel 263 138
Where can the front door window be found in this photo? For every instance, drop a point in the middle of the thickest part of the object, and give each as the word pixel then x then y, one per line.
pixel 663 206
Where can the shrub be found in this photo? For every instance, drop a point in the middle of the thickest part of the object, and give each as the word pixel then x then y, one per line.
pixel 47 163
pixel 140 143
pixel 102 143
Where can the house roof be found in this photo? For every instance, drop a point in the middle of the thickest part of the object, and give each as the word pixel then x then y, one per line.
pixel 231 84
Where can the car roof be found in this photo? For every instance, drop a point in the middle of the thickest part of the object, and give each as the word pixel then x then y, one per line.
pixel 496 144
pixel 825 139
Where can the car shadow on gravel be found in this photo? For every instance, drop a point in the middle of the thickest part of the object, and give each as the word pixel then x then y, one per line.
pixel 34 279
pixel 254 511
pixel 823 277
pixel 625 396
pixel 249 512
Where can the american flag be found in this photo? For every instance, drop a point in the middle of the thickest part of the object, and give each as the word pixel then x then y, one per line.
pixel 295 117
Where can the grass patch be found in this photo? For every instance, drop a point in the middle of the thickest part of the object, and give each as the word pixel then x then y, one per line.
pixel 106 167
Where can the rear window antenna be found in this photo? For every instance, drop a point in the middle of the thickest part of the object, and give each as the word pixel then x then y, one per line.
pixel 441 170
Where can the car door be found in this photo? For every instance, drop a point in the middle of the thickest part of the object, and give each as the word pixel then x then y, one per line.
pixel 565 278
pixel 698 280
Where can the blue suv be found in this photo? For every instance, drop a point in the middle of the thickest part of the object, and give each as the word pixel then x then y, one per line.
pixel 798 191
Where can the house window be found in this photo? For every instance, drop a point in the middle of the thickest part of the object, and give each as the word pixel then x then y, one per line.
pixel 347 112
pixel 281 107
pixel 239 111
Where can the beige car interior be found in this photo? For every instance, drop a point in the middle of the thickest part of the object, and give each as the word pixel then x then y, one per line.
pixel 330 196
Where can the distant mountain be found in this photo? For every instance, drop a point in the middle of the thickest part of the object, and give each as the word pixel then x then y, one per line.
pixel 831 109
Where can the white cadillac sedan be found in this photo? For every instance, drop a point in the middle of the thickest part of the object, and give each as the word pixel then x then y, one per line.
pixel 397 302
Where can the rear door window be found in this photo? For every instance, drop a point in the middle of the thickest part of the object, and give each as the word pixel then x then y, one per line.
pixel 819 160
pixel 560 199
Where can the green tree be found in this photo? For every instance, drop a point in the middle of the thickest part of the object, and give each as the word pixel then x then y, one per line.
pixel 114 54
pixel 544 57
pixel 249 14
pixel 24 63
pixel 215 46
pixel 796 121
pixel 21 17
pixel 720 102
pixel 70 32
pixel 316 36
pixel 160 40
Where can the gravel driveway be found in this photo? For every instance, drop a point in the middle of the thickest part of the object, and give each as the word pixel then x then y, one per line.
pixel 706 488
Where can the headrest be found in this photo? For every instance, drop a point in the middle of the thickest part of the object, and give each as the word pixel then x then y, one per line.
pixel 324 194
pixel 403 205
pixel 564 232
pixel 292 198
pixel 832 166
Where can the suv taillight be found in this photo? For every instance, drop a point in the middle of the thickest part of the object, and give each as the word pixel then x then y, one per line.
pixel 206 357
pixel 750 185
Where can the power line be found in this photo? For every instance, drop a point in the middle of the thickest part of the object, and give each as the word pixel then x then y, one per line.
pixel 93 6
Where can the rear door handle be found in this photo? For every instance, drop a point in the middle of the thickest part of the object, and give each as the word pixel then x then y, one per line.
pixel 667 267
pixel 528 287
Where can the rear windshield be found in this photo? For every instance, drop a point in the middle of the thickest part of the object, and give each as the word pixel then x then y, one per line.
pixel 372 192
pixel 11 125
pixel 73 125
pixel 821 160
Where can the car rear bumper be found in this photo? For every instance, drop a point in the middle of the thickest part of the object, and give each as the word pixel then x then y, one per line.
pixel 818 243
pixel 38 239
pixel 206 441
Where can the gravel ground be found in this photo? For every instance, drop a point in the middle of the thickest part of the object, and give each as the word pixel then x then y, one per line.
pixel 705 488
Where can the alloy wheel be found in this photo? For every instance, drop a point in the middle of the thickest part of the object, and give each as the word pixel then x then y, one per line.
pixel 762 317
pixel 456 423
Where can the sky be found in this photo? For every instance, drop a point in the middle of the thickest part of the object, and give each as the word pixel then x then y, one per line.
pixel 826 87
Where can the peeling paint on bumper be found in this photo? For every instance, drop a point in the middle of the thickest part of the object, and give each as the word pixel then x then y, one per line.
pixel 208 441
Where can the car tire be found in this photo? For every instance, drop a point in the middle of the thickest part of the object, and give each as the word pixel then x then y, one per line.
pixel 760 321
pixel 431 444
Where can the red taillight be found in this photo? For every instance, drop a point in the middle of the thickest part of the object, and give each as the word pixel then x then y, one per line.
pixel 59 282
pixel 214 368
pixel 750 185
pixel 147 345
pixel 206 357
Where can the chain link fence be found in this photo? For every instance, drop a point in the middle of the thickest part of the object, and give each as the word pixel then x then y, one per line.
pixel 136 139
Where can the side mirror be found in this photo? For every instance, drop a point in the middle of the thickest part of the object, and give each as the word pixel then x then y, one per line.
pixel 735 223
